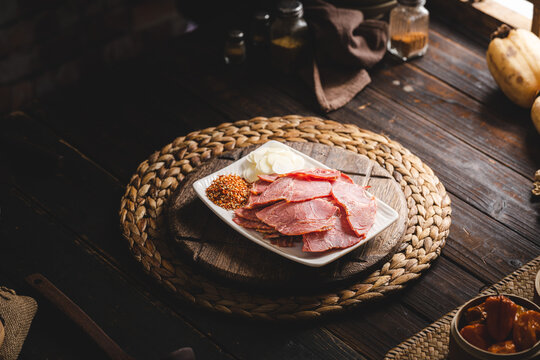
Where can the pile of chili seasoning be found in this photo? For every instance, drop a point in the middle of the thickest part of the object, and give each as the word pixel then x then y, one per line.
pixel 228 191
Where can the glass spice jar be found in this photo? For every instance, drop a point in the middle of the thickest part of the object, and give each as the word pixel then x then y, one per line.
pixel 408 30
pixel 288 37
pixel 235 48
pixel 260 29
pixel 259 37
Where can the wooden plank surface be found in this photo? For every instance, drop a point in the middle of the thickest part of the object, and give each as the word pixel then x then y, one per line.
pixel 67 164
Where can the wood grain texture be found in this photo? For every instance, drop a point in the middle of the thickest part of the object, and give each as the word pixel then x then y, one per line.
pixel 481 126
pixel 214 246
pixel 77 315
pixel 451 157
pixel 55 192
pixel 126 113
pixel 98 288
pixel 59 190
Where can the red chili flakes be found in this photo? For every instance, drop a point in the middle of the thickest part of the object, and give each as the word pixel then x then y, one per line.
pixel 228 191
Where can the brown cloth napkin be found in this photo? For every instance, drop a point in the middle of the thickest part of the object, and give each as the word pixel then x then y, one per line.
pixel 345 45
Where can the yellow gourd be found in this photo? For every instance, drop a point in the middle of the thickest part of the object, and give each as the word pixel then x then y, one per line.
pixel 513 58
pixel 535 114
pixel 2 333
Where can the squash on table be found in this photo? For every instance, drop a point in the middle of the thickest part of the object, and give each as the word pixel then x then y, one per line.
pixel 535 113
pixel 513 58
pixel 2 331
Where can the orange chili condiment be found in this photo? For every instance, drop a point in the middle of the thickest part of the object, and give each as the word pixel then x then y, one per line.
pixel 228 191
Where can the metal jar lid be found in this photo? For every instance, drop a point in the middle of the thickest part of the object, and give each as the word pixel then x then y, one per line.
pixel 262 17
pixel 236 36
pixel 290 9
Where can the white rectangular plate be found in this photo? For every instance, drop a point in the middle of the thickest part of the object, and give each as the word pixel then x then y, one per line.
pixel 385 216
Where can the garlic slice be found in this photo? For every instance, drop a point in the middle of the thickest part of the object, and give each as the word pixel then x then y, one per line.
pixel 271 160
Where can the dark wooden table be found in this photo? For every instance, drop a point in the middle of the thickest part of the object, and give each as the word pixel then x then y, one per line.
pixel 66 160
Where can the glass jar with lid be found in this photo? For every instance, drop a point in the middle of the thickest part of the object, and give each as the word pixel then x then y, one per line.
pixel 260 29
pixel 408 30
pixel 235 48
pixel 288 37
pixel 260 37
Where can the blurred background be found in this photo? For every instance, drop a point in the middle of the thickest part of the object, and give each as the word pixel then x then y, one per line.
pixel 49 44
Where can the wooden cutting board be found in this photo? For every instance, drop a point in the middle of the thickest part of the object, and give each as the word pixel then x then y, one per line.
pixel 203 238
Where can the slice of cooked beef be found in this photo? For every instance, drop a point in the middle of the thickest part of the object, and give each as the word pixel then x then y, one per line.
pixel 273 235
pixel 359 207
pixel 315 174
pixel 268 178
pixel 345 178
pixel 259 186
pixel 267 231
pixel 300 217
pixel 251 224
pixel 340 236
pixel 285 241
pixel 291 190
pixel 307 174
pixel 252 201
pixel 249 214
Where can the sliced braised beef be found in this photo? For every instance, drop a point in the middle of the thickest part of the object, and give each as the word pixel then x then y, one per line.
pixel 322 207
pixel 272 234
pixel 251 224
pixel 253 198
pixel 291 190
pixel 345 178
pixel 268 178
pixel 299 218
pixel 339 236
pixel 308 174
pixel 259 187
pixel 249 214
pixel 316 174
pixel 359 207
pixel 285 241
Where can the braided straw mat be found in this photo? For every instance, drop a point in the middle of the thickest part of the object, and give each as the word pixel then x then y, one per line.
pixel 142 215
pixel 432 342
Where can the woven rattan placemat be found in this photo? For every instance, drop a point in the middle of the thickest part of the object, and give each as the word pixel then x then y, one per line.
pixel 432 342
pixel 142 215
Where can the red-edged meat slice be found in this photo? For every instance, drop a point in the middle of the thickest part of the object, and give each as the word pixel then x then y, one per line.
pixel 340 236
pixel 252 201
pixel 249 214
pixel 272 235
pixel 259 186
pixel 267 231
pixel 268 178
pixel 299 218
pixel 291 190
pixel 359 207
pixel 251 224
pixel 284 241
pixel 315 174
pixel 345 178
